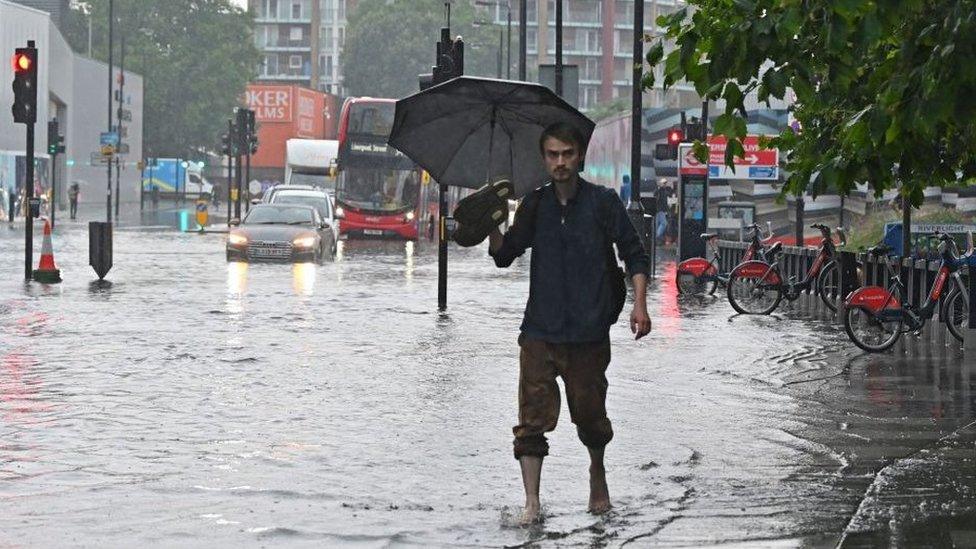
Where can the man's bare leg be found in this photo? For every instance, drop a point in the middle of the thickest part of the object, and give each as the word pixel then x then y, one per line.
pixel 531 473
pixel 599 493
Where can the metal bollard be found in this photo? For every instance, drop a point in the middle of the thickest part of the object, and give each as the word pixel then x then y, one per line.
pixel 100 247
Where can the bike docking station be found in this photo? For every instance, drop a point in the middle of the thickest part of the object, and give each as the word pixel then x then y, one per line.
pixel 969 337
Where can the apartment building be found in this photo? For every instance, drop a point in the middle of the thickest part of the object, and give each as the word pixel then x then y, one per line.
pixel 301 41
pixel 598 38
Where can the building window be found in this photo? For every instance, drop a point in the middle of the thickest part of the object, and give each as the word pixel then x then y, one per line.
pixel 295 34
pixel 296 10
pixel 270 10
pixel 295 61
pixel 342 36
pixel 271 65
pixel 328 65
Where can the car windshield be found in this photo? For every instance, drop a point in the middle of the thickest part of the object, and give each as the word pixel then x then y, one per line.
pixel 286 215
pixel 317 201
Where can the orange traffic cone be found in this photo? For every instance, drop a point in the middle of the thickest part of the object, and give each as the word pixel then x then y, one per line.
pixel 47 272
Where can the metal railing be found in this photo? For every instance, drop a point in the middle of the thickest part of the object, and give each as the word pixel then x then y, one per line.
pixel 918 275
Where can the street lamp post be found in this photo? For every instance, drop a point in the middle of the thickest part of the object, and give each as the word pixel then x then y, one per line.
pixel 523 36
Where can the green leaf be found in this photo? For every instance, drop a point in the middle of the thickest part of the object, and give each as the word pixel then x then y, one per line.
pixel 724 125
pixel 655 54
pixel 775 81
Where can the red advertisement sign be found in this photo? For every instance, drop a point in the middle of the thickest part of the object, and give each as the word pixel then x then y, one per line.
pixel 755 156
pixel 270 103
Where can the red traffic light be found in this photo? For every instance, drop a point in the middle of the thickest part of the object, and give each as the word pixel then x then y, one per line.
pixel 675 136
pixel 22 62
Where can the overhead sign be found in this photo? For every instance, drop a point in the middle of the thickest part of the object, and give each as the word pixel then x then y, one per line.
pixel 108 138
pixel 758 163
pixel 687 163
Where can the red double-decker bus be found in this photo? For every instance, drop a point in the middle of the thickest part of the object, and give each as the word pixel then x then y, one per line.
pixel 379 191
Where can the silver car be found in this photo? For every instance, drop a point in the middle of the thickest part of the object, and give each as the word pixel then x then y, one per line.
pixel 315 198
pixel 281 232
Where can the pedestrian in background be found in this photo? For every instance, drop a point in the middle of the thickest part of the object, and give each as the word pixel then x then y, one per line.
pixel 73 192
pixel 576 293
pixel 625 190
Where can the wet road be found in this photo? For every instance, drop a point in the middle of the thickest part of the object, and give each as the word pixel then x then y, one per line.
pixel 197 403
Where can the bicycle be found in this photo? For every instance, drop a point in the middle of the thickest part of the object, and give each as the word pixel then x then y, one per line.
pixel 694 274
pixel 877 316
pixel 757 287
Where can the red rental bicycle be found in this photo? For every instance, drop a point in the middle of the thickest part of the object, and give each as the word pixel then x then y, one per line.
pixel 696 274
pixel 877 316
pixel 757 287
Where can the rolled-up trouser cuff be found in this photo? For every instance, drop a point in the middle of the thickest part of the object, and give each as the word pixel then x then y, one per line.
pixel 535 445
pixel 595 435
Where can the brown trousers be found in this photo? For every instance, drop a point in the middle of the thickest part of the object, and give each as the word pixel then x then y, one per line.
pixel 583 368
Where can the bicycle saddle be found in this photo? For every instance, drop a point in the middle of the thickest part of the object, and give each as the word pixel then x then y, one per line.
pixel 879 250
pixel 709 236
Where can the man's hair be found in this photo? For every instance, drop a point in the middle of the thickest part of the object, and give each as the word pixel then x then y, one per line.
pixel 565 132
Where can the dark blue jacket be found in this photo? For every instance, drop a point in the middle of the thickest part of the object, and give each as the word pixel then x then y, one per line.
pixel 569 287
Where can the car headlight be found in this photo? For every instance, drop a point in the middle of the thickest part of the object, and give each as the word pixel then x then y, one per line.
pixel 409 216
pixel 237 239
pixel 340 211
pixel 304 242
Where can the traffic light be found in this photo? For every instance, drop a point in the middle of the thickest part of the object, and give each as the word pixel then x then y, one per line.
pixel 24 63
pixel 450 61
pixel 675 136
pixel 252 132
pixel 225 143
pixel 54 139
pixel 241 134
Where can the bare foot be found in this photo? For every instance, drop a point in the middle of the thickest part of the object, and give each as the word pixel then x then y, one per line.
pixel 531 513
pixel 599 493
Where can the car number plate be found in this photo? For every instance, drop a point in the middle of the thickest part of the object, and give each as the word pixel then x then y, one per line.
pixel 376 232
pixel 269 252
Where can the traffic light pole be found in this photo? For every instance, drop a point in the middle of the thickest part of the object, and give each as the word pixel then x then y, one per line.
pixel 523 36
pixel 230 169
pixel 559 47
pixel 54 188
pixel 108 196
pixel 118 159
pixel 29 196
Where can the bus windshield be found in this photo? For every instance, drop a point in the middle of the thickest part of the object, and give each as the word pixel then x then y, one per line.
pixel 379 190
pixel 371 118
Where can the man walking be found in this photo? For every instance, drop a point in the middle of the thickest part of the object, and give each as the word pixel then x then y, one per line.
pixel 73 192
pixel 570 224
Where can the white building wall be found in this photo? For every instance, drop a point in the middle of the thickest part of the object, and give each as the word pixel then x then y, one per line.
pixel 77 87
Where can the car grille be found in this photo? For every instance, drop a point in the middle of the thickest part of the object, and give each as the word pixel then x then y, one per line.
pixel 268 250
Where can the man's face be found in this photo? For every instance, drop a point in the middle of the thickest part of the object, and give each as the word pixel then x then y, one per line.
pixel 562 159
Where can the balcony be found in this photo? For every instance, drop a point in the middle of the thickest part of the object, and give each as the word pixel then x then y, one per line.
pixel 303 45
pixel 262 19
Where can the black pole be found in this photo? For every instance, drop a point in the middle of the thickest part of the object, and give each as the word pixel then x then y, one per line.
pixel 54 188
pixel 508 50
pixel 28 195
pixel 840 222
pixel 799 220
pixel 635 105
pixel 237 184
pixel 636 209
pixel 108 198
pixel 906 227
pixel 442 248
pixel 559 48
pixel 118 157
pixel 523 36
pixel 501 50
pixel 230 168
pixel 247 169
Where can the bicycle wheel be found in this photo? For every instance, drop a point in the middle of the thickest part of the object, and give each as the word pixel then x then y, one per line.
pixel 752 296
pixel 956 314
pixel 869 333
pixel 828 285
pixel 689 284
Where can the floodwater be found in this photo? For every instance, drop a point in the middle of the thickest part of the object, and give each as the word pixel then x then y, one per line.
pixel 190 402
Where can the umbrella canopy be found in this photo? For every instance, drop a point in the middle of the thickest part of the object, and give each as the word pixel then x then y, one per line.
pixel 470 130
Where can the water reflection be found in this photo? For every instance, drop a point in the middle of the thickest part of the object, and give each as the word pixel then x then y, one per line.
pixel 303 278
pixel 408 251
pixel 236 277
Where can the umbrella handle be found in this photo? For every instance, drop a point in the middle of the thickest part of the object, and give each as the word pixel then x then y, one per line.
pixel 491 141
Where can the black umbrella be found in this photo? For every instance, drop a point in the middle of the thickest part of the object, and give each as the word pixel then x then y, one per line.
pixel 470 130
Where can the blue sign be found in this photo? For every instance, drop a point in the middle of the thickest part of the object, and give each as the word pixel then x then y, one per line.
pixel 763 172
pixel 108 138
pixel 713 171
